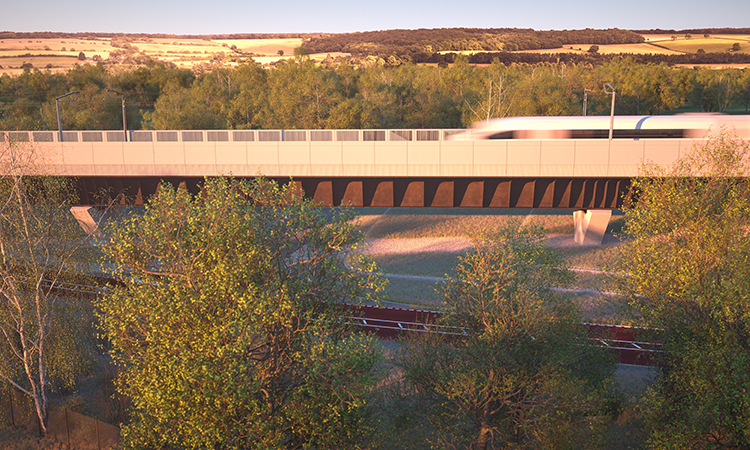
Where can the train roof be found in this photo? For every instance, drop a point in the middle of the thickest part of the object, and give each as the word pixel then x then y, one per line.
pixel 679 121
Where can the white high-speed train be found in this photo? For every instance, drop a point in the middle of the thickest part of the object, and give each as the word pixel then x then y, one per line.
pixel 597 127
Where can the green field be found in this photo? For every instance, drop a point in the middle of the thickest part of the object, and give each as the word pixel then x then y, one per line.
pixel 418 271
pixel 709 45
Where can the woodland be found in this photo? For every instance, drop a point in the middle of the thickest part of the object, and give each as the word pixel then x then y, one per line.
pixel 369 92
pixel 451 39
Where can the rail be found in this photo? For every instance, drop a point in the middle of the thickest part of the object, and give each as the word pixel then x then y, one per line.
pixel 632 345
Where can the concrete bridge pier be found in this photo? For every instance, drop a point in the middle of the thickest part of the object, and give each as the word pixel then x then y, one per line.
pixel 590 226
pixel 83 216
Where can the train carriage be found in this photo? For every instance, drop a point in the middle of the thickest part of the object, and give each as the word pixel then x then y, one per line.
pixel 597 127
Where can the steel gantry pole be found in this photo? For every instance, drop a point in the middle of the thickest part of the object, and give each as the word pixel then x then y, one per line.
pixel 120 95
pixel 612 112
pixel 585 99
pixel 57 101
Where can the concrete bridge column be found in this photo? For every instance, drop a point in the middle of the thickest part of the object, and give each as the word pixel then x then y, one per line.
pixel 590 226
pixel 82 215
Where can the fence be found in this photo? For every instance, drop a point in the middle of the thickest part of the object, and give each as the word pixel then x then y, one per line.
pixel 69 427
pixel 230 135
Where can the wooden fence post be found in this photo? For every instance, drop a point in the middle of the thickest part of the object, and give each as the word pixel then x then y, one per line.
pixel 98 441
pixel 10 396
pixel 67 428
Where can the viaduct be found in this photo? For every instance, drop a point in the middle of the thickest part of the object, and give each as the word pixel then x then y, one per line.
pixel 364 168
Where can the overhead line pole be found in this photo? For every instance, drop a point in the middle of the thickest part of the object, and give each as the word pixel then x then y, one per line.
pixel 585 99
pixel 124 119
pixel 612 112
pixel 57 101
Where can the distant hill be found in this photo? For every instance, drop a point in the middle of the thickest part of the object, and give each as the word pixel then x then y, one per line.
pixel 696 31
pixel 400 42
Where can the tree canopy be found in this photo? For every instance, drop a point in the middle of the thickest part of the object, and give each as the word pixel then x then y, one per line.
pixel 686 264
pixel 518 376
pixel 230 324
pixel 46 336
pixel 369 92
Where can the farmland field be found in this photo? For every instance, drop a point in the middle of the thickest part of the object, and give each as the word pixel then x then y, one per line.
pixel 263 46
pixel 55 54
pixel 708 45
pixel 643 48
pixel 62 54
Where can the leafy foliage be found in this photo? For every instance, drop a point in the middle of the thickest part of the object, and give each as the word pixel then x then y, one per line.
pixel 518 377
pixel 686 263
pixel 45 339
pixel 452 39
pixel 371 92
pixel 229 325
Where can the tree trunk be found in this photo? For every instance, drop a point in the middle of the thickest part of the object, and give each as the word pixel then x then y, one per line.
pixel 485 434
pixel 42 409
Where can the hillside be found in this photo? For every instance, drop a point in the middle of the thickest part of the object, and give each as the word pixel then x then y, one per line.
pixel 456 39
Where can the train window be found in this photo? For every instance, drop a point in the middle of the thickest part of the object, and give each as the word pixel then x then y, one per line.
pixel 502 135
pixel 628 134
pixel 589 134
pixel 650 134
pixel 592 134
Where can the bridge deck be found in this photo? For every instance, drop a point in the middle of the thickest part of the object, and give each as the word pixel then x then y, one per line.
pixel 414 168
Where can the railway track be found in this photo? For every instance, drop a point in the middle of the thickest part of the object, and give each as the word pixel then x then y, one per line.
pixel 631 345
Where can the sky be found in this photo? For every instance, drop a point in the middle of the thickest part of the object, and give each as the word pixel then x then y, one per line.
pixel 339 16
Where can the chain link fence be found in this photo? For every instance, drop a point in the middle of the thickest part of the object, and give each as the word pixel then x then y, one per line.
pixel 69 427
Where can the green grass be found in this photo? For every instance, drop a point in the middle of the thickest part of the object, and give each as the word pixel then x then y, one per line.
pixel 593 281
pixel 414 293
pixel 597 308
pixel 708 45
pixel 405 223
pixel 397 223
pixel 420 264
pixel 600 257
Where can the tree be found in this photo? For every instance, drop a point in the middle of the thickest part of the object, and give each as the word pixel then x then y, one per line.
pixel 722 86
pixel 301 95
pixel 301 52
pixel 594 49
pixel 280 53
pixel 686 265
pixel 229 325
pixel 245 109
pixel 493 99
pixel 736 47
pixel 518 377
pixel 181 109
pixel 43 333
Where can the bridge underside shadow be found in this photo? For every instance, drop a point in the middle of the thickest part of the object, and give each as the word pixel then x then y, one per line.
pixel 413 192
